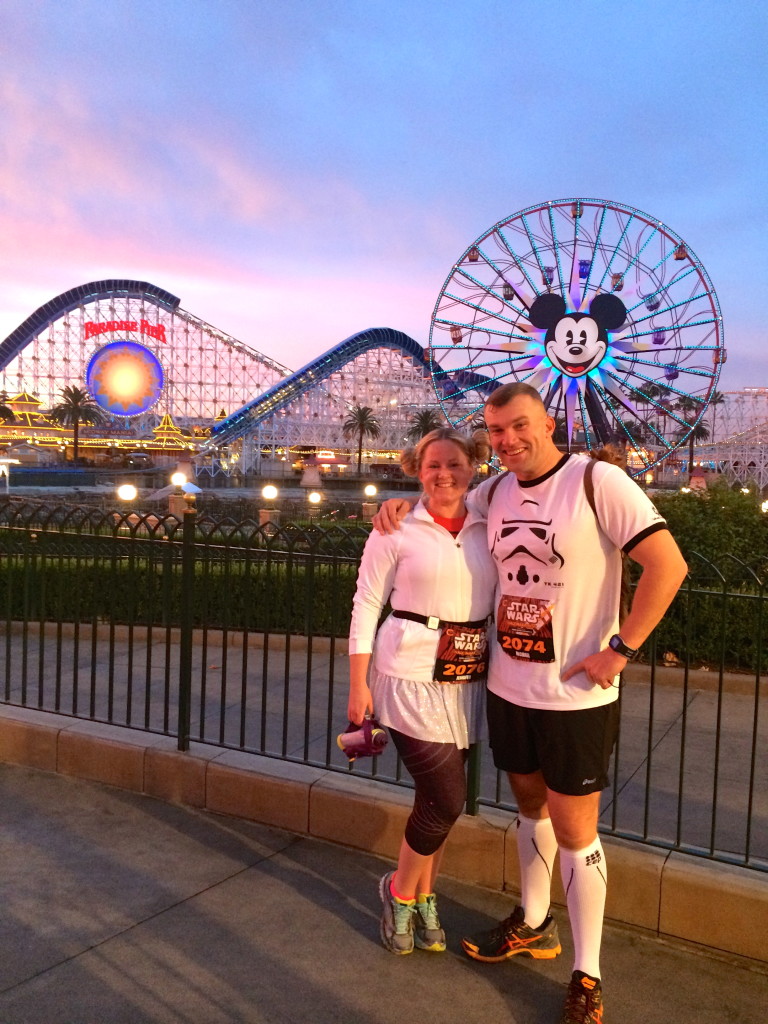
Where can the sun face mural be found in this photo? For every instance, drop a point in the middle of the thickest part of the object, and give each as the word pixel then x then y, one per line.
pixel 125 378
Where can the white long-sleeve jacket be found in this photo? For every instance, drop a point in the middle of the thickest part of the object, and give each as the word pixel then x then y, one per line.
pixel 419 568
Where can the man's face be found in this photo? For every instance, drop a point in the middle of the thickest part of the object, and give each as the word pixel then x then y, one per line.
pixel 521 435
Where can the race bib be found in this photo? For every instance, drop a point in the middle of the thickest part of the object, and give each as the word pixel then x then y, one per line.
pixel 524 628
pixel 461 654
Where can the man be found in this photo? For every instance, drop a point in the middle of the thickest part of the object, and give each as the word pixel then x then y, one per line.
pixel 554 670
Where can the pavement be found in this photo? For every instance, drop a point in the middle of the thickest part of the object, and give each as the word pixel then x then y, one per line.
pixel 122 909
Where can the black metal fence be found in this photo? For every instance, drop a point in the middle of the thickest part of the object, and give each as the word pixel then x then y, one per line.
pixel 234 634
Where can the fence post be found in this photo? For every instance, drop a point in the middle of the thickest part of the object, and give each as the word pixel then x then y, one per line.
pixel 188 522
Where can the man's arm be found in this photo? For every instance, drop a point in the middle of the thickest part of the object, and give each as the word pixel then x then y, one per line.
pixel 664 570
pixel 387 519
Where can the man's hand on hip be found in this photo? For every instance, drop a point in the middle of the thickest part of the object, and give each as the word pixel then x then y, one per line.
pixel 601 668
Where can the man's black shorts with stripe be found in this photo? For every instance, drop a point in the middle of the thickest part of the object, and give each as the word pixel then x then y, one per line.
pixel 572 749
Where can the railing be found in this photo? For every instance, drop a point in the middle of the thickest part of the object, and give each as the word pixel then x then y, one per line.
pixel 234 634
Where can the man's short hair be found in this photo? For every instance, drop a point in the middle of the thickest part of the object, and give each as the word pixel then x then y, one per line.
pixel 507 392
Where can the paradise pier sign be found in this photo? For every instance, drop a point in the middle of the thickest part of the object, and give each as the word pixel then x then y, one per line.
pixel 156 331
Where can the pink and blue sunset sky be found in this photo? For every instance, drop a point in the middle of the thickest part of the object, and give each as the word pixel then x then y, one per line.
pixel 299 171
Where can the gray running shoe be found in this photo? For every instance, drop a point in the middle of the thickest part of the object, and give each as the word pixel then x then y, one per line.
pixel 429 934
pixel 511 937
pixel 396 920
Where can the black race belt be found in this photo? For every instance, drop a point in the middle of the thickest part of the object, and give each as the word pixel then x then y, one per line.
pixel 432 621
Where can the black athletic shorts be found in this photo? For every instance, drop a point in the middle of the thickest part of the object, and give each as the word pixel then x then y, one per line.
pixel 571 749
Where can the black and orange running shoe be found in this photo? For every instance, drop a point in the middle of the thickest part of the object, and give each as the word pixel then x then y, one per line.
pixel 511 937
pixel 584 1002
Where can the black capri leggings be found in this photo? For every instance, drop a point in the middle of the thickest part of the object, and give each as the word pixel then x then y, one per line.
pixel 437 770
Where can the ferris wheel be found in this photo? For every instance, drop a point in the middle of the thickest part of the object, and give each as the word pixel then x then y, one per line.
pixel 604 310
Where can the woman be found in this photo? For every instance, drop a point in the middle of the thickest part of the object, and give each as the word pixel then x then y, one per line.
pixel 427 679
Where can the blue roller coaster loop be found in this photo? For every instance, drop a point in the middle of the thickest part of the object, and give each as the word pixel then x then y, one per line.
pixel 67 301
pixel 248 417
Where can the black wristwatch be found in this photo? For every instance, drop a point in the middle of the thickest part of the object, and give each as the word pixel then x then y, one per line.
pixel 618 645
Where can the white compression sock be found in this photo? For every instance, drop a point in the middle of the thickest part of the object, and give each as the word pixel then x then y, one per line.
pixel 536 848
pixel 585 880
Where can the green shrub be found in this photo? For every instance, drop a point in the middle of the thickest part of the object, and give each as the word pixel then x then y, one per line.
pixel 303 597
pixel 718 523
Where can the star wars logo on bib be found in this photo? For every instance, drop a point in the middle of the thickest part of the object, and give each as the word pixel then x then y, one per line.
pixel 461 654
pixel 524 628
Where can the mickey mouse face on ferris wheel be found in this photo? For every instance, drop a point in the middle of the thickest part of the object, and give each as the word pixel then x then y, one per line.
pixel 576 342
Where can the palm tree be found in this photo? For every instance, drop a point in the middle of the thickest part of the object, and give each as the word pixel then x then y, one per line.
pixel 715 399
pixel 361 423
pixel 76 407
pixel 698 431
pixel 423 423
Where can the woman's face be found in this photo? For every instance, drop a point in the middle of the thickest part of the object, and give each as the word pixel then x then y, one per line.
pixel 445 471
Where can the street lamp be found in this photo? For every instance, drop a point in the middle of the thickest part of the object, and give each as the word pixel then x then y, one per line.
pixel 176 503
pixel 127 492
pixel 5 470
pixel 269 517
pixel 370 508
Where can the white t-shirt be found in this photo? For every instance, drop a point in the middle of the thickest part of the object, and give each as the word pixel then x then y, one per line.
pixel 419 568
pixel 559 577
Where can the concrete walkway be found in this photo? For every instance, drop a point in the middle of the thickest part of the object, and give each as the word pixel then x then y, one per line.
pixel 121 909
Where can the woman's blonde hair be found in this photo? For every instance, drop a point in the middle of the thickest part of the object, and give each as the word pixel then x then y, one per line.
pixel 476 448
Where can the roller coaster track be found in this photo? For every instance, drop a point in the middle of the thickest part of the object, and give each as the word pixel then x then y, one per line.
pixel 248 417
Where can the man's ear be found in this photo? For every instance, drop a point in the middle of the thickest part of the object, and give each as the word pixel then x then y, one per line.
pixel 550 425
